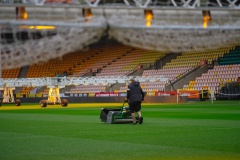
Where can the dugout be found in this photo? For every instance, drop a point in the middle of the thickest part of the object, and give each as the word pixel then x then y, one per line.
pixel 229 91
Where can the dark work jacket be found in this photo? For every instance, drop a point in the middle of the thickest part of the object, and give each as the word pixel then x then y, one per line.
pixel 134 92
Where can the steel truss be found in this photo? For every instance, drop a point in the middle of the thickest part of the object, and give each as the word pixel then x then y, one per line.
pixel 66 81
pixel 233 4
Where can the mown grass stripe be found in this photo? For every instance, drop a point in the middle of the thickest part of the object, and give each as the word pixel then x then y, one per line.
pixel 172 131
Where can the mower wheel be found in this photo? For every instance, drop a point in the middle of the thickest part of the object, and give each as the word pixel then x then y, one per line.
pixel 64 103
pixel 43 103
pixel 18 102
pixel 0 103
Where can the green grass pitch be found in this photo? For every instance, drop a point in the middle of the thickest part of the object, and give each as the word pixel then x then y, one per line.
pixel 196 130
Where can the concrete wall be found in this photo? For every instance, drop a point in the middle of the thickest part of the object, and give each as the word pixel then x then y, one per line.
pixel 162 62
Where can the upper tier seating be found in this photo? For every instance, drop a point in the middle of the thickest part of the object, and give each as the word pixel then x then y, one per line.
pixel 10 73
pixel 191 59
pixel 233 57
pixel 100 60
pixel 130 62
pixel 58 66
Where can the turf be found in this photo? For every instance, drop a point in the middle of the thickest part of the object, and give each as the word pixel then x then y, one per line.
pixel 199 130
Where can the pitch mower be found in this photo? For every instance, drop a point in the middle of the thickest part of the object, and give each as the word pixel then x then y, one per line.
pixel 116 115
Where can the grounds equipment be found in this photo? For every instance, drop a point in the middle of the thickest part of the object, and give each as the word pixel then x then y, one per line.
pixel 116 115
pixel 8 97
pixel 54 98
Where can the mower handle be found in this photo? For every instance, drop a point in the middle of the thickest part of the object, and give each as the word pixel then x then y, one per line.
pixel 124 101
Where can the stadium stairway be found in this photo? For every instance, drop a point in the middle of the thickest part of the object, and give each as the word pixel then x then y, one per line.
pixel 185 79
pixel 23 72
pixel 166 59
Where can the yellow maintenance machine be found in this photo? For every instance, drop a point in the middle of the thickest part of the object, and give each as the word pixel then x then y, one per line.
pixel 8 96
pixel 54 98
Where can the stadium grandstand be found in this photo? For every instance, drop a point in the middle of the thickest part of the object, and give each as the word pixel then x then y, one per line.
pixel 92 48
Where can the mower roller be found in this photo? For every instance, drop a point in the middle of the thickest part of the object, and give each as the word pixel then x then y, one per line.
pixel 116 115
